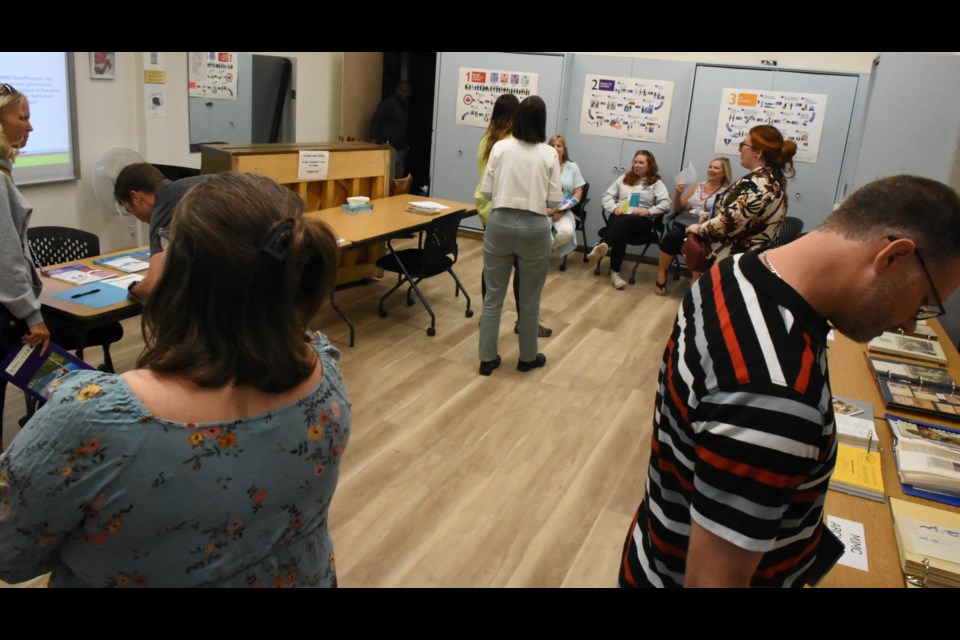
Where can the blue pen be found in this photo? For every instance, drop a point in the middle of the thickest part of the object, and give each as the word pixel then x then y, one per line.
pixel 85 293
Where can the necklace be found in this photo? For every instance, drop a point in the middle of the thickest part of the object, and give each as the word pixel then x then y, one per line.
pixel 766 261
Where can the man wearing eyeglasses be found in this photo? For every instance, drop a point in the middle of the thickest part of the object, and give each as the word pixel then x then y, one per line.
pixel 143 191
pixel 743 438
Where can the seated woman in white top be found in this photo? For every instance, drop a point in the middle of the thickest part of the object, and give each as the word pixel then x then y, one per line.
pixel 571 183
pixel 634 199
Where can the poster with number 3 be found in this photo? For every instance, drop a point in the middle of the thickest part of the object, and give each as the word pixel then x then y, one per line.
pixel 798 116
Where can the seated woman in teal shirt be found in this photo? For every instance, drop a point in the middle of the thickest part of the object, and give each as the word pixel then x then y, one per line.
pixel 214 462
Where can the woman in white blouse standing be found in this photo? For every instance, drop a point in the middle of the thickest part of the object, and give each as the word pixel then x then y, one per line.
pixel 523 182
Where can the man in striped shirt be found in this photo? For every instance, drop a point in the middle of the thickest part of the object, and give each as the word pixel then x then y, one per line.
pixel 743 437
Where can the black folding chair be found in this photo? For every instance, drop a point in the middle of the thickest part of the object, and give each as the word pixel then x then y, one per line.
pixel 580 216
pixel 437 255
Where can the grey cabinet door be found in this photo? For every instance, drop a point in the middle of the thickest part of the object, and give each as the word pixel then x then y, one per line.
pixel 599 158
pixel 602 159
pixel 705 109
pixel 814 190
pixel 454 174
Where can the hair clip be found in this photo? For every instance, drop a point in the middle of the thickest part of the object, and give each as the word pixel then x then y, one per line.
pixel 277 243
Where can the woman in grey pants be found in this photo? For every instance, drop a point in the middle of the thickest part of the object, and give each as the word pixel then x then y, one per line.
pixel 523 181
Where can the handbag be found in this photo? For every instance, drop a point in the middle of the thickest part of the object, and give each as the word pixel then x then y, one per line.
pixel 698 254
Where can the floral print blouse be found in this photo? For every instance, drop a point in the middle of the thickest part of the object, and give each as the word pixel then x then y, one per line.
pixel 101 493
pixel 749 214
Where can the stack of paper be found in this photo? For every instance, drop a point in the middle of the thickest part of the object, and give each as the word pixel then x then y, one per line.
pixel 128 262
pixel 77 274
pixel 426 207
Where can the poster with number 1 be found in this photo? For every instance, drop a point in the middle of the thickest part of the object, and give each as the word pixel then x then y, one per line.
pixel 479 89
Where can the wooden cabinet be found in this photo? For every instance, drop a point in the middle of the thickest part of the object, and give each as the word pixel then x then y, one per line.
pixel 355 169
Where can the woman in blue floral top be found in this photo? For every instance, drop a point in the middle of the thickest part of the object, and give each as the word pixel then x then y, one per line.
pixel 215 461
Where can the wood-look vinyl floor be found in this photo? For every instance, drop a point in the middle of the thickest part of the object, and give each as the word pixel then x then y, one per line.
pixel 517 479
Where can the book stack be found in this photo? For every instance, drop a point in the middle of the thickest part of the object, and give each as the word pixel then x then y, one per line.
pixel 858 470
pixel 928 459
pixel 928 540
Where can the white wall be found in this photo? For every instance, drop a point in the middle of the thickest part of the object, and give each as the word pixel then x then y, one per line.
pixel 110 113
pixel 852 61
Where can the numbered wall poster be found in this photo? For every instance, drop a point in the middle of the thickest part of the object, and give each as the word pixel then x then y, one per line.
pixel 631 108
pixel 213 74
pixel 480 88
pixel 798 116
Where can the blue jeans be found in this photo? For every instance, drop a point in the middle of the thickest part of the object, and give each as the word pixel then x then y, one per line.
pixel 526 236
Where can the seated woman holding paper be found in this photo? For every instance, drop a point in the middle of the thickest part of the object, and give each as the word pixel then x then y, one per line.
pixel 695 207
pixel 215 461
pixel 634 199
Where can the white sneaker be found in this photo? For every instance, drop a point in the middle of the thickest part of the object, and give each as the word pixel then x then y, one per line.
pixel 560 241
pixel 598 252
pixel 617 281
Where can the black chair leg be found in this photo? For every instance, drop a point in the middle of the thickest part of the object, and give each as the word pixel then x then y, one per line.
pixel 383 312
pixel 107 365
pixel 563 264
pixel 460 287
pixel 32 406
pixel 410 291
pixel 432 330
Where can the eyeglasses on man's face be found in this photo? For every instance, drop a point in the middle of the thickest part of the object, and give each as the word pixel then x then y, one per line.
pixel 925 311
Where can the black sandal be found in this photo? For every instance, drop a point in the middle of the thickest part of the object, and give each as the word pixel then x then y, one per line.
pixel 661 288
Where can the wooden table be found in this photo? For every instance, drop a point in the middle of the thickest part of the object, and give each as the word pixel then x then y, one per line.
pixel 388 220
pixel 850 376
pixel 85 317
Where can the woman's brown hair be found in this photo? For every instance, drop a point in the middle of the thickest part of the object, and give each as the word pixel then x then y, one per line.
pixel 653 173
pixel 243 276
pixel 501 121
pixel 777 152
